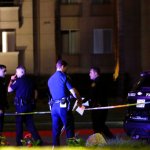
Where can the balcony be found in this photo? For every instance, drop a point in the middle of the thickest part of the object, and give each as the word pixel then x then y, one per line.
pixel 9 17
pixel 71 10
pixel 102 10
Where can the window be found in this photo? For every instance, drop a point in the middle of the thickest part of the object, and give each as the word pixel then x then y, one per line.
pixel 102 43
pixel 101 1
pixel 7 40
pixel 70 41
pixel 70 1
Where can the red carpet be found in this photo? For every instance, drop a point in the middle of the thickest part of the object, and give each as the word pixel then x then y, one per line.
pixel 79 131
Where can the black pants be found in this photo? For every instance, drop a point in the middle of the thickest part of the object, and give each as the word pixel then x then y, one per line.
pixel 98 122
pixel 1 123
pixel 28 120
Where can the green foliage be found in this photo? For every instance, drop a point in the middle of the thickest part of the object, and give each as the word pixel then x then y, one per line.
pixel 29 141
pixel 3 141
pixel 75 142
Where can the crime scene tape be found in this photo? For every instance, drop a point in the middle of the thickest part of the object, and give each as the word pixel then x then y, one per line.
pixel 117 106
pixel 95 108
pixel 27 113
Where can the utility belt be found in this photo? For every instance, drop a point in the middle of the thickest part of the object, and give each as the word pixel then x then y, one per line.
pixel 19 101
pixel 64 102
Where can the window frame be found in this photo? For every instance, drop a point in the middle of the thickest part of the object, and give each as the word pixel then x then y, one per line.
pixel 72 42
pixel 100 42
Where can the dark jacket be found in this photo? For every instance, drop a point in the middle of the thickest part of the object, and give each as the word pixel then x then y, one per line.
pixel 3 93
pixel 98 93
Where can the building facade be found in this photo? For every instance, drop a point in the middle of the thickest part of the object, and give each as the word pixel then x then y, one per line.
pixel 36 33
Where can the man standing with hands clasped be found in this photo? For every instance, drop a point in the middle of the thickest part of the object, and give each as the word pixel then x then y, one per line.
pixel 60 88
pixel 24 101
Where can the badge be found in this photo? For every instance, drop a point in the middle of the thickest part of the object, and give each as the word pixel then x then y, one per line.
pixel 93 84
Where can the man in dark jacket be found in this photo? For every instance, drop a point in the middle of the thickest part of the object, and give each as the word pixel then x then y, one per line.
pixel 3 96
pixel 98 99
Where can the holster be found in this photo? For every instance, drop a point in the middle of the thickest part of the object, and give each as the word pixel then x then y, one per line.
pixel 62 101
pixel 19 101
pixel 66 100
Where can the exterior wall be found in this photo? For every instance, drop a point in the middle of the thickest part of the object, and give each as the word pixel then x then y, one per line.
pixel 9 20
pixel 9 17
pixel 34 27
pixel 145 34
pixel 95 16
pixel 36 39
pixel 131 53
pixel 47 36
pixel 9 59
pixel 44 36
pixel 88 17
pixel 24 36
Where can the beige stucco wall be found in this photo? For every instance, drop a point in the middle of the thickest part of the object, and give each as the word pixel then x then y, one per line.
pixel 9 17
pixel 10 59
pixel 47 36
pixel 24 35
pixel 46 41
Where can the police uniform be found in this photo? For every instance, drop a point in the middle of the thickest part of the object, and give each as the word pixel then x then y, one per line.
pixel 3 101
pixel 98 95
pixel 59 86
pixel 24 89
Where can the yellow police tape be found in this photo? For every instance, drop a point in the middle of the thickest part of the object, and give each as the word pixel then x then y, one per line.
pixel 48 148
pixel 118 106
pixel 95 108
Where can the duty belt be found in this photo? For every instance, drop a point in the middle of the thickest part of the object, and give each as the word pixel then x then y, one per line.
pixel 19 101
pixel 56 101
pixel 63 100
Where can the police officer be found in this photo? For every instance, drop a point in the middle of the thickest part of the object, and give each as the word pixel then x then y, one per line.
pixel 60 88
pixel 3 96
pixel 98 98
pixel 24 100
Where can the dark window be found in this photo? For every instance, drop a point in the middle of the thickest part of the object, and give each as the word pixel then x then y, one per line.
pixel 70 1
pixel 101 1
pixel 102 41
pixel 70 41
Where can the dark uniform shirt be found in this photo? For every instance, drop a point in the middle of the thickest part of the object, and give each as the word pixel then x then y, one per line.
pixel 24 89
pixel 98 93
pixel 3 93
pixel 99 98
pixel 59 85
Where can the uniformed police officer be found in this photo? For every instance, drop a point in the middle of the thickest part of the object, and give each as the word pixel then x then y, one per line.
pixel 24 100
pixel 3 96
pixel 98 98
pixel 60 88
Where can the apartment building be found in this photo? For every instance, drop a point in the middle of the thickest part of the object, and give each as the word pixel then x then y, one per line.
pixel 35 33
